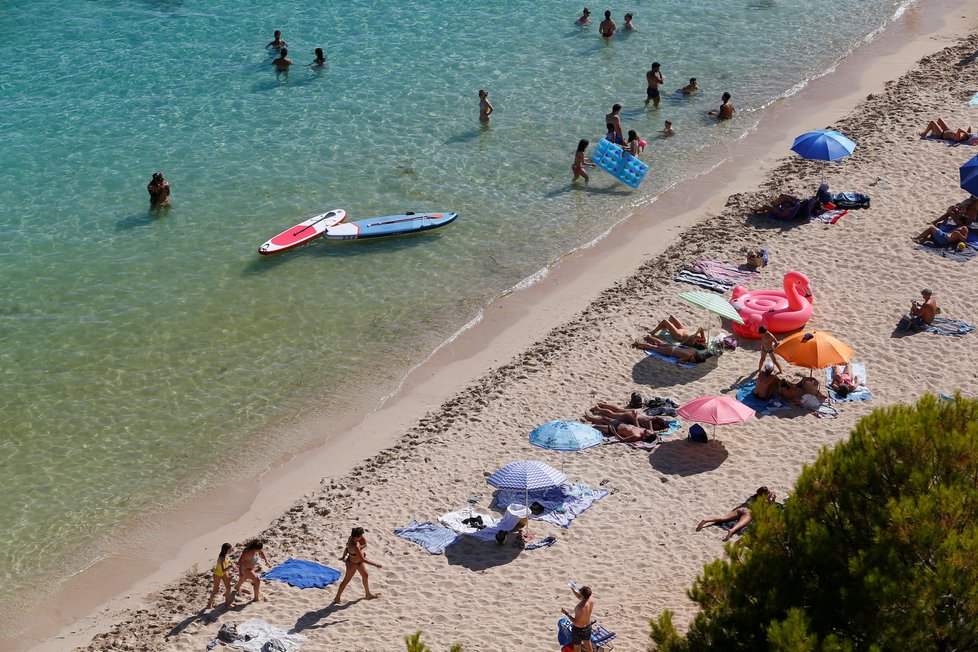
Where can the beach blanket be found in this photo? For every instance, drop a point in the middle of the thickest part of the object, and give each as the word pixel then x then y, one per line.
pixel 861 393
pixel 702 280
pixel 715 275
pixel 746 396
pixel 430 536
pixel 674 426
pixel 260 634
pixel 303 574
pixel 455 520
pixel 945 326
pixel 573 499
pixel 542 543
pixel 962 256
pixel 829 217
pixel 670 359
pixel 974 100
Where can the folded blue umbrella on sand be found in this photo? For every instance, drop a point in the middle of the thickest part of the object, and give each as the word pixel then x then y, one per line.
pixel 430 536
pixel 303 574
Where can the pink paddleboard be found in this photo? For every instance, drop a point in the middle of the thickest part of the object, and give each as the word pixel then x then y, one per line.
pixel 302 232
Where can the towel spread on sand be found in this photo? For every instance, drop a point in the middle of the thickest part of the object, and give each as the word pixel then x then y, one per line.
pixel 430 536
pixel 542 543
pixel 974 100
pixel 746 396
pixel 303 574
pixel 702 280
pixel 969 252
pixel 573 501
pixel 945 326
pixel 715 275
pixel 454 520
pixel 260 634
pixel 829 217
pixel 861 393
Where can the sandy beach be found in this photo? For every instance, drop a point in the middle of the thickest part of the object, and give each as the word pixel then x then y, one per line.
pixel 555 349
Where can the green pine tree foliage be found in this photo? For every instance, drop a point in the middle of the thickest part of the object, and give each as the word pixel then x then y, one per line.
pixel 877 548
pixel 414 643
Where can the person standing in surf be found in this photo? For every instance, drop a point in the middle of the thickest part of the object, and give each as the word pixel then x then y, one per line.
pixel 356 562
pixel 608 27
pixel 653 79
pixel 614 120
pixel 485 108
pixel 277 43
pixel 585 18
pixel 283 62
pixel 159 191
pixel 580 160
pixel 320 59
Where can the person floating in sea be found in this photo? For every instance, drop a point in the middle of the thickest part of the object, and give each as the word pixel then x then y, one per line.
pixel 667 130
pixel 581 619
pixel 628 26
pixel 485 108
pixel 726 110
pixel 159 191
pixel 653 78
pixel 615 121
pixel 585 18
pixel 276 43
pixel 356 559
pixel 320 59
pixel 580 160
pixel 690 88
pixel 283 61
pixel 608 27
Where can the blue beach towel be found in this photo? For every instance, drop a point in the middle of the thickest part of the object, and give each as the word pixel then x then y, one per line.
pixel 945 326
pixel 574 499
pixel 746 396
pixel 861 393
pixel 974 100
pixel 303 574
pixel 670 359
pixel 430 536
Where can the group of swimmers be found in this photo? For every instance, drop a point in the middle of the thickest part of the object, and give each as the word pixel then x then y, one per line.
pixel 608 27
pixel 282 63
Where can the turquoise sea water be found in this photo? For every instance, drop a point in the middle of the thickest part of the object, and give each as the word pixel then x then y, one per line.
pixel 136 348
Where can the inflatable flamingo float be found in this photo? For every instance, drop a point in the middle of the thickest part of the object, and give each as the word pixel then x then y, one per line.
pixel 779 310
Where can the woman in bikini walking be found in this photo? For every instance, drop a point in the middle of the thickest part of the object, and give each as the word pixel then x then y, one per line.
pixel 247 565
pixel 356 561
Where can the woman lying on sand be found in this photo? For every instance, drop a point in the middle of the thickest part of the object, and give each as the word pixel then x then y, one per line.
pixel 679 333
pixel 940 129
pixel 680 353
pixel 625 432
pixel 628 415
pixel 741 513
pixel 843 382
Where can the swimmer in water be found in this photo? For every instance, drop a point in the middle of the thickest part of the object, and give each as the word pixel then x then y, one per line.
pixel 668 130
pixel 283 62
pixel 580 160
pixel 277 43
pixel 628 26
pixel 726 110
pixel 653 79
pixel 585 18
pixel 320 59
pixel 690 88
pixel 485 108
pixel 608 27
pixel 159 191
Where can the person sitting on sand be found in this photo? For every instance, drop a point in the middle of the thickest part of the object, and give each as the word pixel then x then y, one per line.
pixel 789 392
pixel 843 382
pixel 603 413
pixel 767 383
pixel 940 238
pixel 679 333
pixel 356 560
pixel 682 354
pixel 741 514
pixel 247 567
pixel 625 432
pixel 585 18
pixel 940 129
pixel 921 315
pixel 964 213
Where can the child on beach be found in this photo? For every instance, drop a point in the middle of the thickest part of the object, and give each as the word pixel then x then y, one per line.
pixel 768 343
pixel 612 136
pixel 633 147
pixel 580 160
pixel 221 573
pixel 667 130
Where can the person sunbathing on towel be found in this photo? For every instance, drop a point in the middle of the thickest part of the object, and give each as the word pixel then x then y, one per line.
pixel 678 331
pixel 843 382
pixel 767 383
pixel 940 129
pixel 963 213
pixel 680 353
pixel 789 392
pixel 741 513
pixel 625 432
pixel 942 239
pixel 783 206
pixel 810 385
pixel 605 413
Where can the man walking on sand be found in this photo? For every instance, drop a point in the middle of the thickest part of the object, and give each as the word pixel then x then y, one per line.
pixel 581 619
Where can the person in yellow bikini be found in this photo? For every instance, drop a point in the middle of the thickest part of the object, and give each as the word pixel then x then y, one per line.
pixel 221 574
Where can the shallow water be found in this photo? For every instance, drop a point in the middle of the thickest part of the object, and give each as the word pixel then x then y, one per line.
pixel 140 351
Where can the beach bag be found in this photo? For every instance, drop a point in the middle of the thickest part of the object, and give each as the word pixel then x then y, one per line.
pixel 904 323
pixel 227 633
pixel 697 434
pixel 851 200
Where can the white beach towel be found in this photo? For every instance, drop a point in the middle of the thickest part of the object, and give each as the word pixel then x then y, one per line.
pixel 260 633
pixel 453 520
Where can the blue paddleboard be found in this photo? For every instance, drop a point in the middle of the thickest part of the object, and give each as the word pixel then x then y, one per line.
pixel 390 225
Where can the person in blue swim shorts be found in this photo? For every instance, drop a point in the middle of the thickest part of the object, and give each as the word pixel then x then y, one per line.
pixel 942 239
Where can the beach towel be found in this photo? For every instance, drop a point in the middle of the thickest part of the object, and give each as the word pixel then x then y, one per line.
pixel 945 326
pixel 674 426
pixel 746 396
pixel 670 359
pixel 974 100
pixel 574 500
pixel 430 536
pixel 725 272
pixel 542 543
pixel 700 279
pixel 456 520
pixel 303 574
pixel 261 634
pixel 861 393
pixel 829 217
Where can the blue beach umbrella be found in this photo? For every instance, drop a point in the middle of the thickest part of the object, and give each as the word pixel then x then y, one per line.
pixel 823 145
pixel 528 475
pixel 565 436
pixel 969 176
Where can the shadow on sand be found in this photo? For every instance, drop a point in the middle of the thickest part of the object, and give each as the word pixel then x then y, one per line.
pixel 478 555
pixel 682 457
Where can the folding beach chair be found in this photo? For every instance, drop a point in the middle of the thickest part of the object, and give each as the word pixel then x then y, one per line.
pixel 600 637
